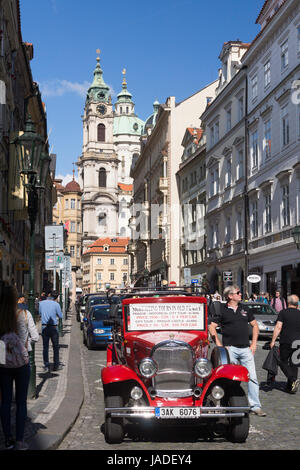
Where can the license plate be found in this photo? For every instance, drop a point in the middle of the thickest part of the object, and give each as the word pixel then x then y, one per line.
pixel 175 413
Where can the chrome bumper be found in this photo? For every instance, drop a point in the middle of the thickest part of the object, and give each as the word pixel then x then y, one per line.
pixel 204 412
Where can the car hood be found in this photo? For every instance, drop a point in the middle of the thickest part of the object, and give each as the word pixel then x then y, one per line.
pixel 266 318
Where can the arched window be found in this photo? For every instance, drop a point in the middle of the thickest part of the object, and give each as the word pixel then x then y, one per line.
pixel 102 178
pixel 101 133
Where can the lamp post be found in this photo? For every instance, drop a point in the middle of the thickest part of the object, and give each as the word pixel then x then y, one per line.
pixel 33 168
pixel 296 236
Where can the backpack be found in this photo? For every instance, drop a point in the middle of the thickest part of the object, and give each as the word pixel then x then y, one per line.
pixel 13 353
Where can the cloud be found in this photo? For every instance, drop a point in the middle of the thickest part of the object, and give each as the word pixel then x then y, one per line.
pixel 65 178
pixel 61 87
pixel 56 88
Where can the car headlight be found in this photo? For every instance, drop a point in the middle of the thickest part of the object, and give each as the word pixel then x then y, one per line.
pixel 203 368
pixel 99 332
pixel 147 368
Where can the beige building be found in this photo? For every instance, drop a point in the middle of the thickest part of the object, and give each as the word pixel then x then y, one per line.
pixel 105 265
pixel 67 210
pixel 156 228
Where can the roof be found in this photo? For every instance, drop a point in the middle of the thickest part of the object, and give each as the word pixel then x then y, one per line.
pixel 125 187
pixel 116 245
pixel 128 124
pixel 73 186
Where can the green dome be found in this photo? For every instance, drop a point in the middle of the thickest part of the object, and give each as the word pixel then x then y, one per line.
pixel 98 91
pixel 130 125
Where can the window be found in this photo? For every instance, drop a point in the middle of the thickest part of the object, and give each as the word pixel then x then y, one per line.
pixel 72 251
pixel 285 126
pixel 254 87
pixel 241 108
pixel 217 133
pixel 286 205
pixel 298 39
pixel 228 176
pixel 239 226
pixel 284 55
pixel 112 261
pixel 99 260
pixel 99 276
pixel 101 132
pixel 125 261
pixel 112 276
pixel 78 227
pixel 254 221
pixel 67 204
pixel 102 178
pixel 228 230
pixel 73 204
pixel 254 150
pixel 267 139
pixel 72 227
pixel 267 73
pixel 214 242
pixel 78 251
pixel 268 213
pixel 212 136
pixel 228 120
pixel 214 182
pixel 240 164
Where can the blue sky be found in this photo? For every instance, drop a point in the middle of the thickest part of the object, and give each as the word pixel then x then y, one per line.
pixel 168 47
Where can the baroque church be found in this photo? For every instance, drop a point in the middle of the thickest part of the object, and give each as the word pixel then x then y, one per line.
pixel 111 140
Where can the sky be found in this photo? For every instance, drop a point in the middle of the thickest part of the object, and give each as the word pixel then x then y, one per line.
pixel 168 47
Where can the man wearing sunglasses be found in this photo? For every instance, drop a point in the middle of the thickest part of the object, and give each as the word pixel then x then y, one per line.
pixel 233 320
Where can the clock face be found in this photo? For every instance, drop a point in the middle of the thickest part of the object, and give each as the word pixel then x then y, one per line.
pixel 101 109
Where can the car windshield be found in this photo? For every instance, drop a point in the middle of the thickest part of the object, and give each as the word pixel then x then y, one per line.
pixel 97 300
pixel 261 309
pixel 100 313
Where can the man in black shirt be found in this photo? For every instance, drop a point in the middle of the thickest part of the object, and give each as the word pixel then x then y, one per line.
pixel 288 326
pixel 233 319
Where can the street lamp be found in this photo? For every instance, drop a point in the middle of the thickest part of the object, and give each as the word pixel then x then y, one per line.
pixel 33 168
pixel 296 236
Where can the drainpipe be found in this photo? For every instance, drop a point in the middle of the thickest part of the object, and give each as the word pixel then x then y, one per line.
pixel 246 200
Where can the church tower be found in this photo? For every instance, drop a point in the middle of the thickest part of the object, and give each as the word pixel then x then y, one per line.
pixel 98 164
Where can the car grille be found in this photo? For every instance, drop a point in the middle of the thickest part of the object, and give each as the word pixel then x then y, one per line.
pixel 175 362
pixel 269 322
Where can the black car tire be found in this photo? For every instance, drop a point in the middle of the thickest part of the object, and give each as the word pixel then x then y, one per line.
pixel 113 428
pixel 83 338
pixel 238 428
pixel 88 342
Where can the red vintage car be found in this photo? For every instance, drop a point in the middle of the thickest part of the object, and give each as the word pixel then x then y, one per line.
pixel 161 367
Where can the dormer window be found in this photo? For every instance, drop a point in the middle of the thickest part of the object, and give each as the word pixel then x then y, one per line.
pixel 106 248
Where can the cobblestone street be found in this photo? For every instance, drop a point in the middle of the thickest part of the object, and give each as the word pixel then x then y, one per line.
pixel 279 430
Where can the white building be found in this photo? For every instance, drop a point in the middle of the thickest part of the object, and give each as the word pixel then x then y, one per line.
pixel 273 66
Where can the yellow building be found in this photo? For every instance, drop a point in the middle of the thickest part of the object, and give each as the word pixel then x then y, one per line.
pixel 105 265
pixel 67 210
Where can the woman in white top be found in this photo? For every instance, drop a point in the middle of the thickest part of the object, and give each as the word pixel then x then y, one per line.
pixel 27 331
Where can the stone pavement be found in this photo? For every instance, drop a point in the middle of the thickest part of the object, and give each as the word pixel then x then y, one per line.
pixel 59 394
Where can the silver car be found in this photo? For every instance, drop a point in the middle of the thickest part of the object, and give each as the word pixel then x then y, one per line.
pixel 265 316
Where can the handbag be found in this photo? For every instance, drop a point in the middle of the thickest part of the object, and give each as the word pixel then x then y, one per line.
pixel 14 353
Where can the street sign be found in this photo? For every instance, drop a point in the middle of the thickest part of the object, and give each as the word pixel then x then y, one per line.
pixel 52 262
pixel 54 238
pixel 227 276
pixel 253 278
pixel 194 281
pixel 187 276
pixel 172 283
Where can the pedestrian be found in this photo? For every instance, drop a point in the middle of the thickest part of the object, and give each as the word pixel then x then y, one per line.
pixel 21 332
pixel 233 320
pixel 288 326
pixel 278 302
pixel 49 311
pixel 21 302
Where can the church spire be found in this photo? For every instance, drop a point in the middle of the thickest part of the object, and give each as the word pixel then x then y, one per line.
pixel 98 90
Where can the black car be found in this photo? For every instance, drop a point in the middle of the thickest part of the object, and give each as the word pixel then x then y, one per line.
pixel 265 316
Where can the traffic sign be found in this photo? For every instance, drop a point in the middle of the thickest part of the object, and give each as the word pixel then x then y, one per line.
pixel 54 238
pixel 194 281
pixel 227 276
pixel 172 283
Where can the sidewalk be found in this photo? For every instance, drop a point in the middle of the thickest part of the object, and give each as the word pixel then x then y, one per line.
pixel 59 394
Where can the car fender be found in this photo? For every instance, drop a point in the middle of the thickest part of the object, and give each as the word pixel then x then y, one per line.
pixel 118 373
pixel 233 372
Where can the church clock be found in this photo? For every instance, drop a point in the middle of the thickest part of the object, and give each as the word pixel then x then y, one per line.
pixel 101 109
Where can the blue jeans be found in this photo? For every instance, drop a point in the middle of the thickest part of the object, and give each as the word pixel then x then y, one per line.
pixel 245 357
pixel 20 376
pixel 50 332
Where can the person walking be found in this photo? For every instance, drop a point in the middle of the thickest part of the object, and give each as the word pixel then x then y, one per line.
pixel 233 319
pixel 49 310
pixel 278 302
pixel 288 326
pixel 13 325
pixel 21 302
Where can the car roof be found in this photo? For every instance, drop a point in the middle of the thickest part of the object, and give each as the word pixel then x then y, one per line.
pixel 100 306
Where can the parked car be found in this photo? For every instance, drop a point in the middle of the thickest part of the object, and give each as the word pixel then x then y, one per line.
pixel 95 333
pixel 159 369
pixel 265 316
pixel 95 299
pixel 82 306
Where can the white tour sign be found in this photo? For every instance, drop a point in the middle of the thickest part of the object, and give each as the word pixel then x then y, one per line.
pixel 253 278
pixel 166 316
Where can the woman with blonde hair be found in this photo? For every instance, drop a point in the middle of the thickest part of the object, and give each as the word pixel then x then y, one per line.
pixel 20 323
